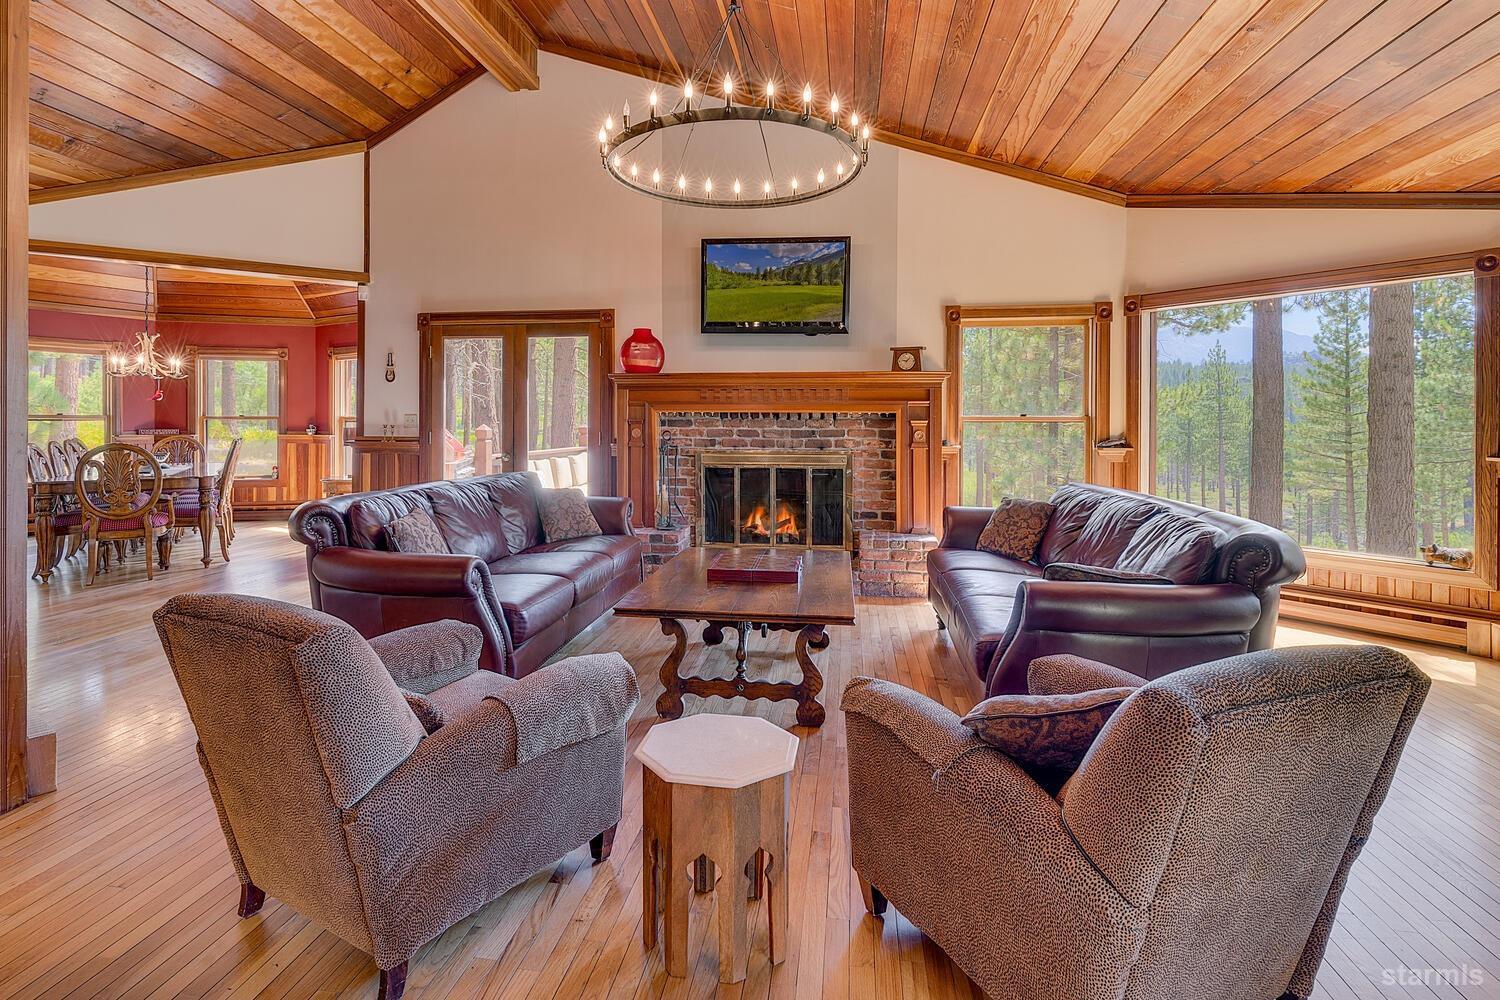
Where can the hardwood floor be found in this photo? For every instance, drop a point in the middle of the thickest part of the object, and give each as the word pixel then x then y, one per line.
pixel 119 885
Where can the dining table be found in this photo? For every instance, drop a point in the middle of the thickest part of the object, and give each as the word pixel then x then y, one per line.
pixel 50 497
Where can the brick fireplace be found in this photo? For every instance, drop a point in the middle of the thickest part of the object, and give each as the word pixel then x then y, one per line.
pixel 889 425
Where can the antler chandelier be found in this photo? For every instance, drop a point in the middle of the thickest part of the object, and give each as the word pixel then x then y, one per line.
pixel 641 156
pixel 142 357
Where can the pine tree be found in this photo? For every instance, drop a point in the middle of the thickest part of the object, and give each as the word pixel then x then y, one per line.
pixel 1444 462
pixel 1390 500
pixel 1268 418
pixel 1331 437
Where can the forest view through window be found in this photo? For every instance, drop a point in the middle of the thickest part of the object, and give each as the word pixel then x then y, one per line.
pixel 1022 410
pixel 67 396
pixel 1345 417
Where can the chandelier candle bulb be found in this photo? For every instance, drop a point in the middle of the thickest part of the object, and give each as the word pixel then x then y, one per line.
pixel 681 182
pixel 736 189
pixel 625 115
pixel 708 186
pixel 656 178
pixel 821 177
pixel 833 108
pixel 728 92
pixel 652 101
pixel 807 101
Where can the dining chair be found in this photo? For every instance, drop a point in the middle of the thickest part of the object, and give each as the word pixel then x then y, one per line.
pixel 186 504
pixel 177 449
pixel 60 460
pixel 38 465
pixel 75 449
pixel 116 504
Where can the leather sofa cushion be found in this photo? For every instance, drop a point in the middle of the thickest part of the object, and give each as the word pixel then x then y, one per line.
pixel 585 573
pixel 1180 548
pixel 369 516
pixel 1072 507
pixel 985 618
pixel 530 602
pixel 944 560
pixel 1107 532
pixel 467 516
pixel 624 551
pixel 514 497
pixel 959 585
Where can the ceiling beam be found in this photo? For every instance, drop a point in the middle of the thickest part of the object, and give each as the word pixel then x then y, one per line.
pixel 495 34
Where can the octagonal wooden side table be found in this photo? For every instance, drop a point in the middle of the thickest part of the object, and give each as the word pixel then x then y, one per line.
pixel 715 789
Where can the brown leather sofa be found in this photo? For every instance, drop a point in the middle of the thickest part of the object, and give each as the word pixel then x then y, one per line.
pixel 1225 571
pixel 528 596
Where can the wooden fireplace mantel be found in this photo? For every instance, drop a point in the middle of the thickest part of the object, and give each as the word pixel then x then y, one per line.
pixel 916 399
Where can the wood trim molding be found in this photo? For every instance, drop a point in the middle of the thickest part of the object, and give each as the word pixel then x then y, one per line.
pixel 110 185
pixel 1487 417
pixel 1309 281
pixel 15 783
pixel 196 262
pixel 400 123
pixel 1316 199
pixel 495 34
pixel 998 167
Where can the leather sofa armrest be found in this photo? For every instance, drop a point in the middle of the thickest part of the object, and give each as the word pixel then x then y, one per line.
pixel 399 573
pixel 613 514
pixel 423 658
pixel 1258 560
pixel 1135 608
pixel 1065 673
pixel 569 702
pixel 962 526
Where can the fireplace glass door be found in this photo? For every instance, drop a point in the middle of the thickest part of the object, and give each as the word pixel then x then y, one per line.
pixel 753 499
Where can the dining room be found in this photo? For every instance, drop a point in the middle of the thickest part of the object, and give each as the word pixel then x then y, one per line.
pixel 166 404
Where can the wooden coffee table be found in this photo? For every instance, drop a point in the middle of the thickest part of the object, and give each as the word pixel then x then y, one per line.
pixel 679 591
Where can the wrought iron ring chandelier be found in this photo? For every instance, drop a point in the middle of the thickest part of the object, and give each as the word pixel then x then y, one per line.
pixel 628 155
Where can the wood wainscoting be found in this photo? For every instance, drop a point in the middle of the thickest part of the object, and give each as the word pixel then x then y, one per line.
pixel 915 398
pixel 381 463
pixel 301 463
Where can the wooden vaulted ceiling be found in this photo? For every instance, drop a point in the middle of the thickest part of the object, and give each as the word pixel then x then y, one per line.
pixel 127 87
pixel 1166 101
pixel 114 288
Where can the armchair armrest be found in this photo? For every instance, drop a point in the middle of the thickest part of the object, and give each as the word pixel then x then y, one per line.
pixel 963 525
pixel 569 702
pixel 423 658
pixel 613 514
pixel 1065 673
pixel 931 732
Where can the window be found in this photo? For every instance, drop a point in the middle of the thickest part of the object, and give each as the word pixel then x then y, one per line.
pixel 343 363
pixel 67 393
pixel 1344 416
pixel 240 396
pixel 1024 393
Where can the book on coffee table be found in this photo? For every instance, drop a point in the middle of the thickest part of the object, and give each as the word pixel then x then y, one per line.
pixel 755 566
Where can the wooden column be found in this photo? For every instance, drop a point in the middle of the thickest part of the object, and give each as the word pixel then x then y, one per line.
pixel 1487 417
pixel 13 582
pixel 1133 429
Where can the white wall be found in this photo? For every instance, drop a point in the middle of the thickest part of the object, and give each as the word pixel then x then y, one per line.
pixel 1172 248
pixel 309 214
pixel 496 200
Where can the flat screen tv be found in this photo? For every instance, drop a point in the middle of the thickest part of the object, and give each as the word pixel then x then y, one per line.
pixel 776 285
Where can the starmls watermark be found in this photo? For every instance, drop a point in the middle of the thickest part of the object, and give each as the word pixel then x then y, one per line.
pixel 1463 975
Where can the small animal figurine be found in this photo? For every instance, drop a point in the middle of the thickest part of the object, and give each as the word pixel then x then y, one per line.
pixel 1436 555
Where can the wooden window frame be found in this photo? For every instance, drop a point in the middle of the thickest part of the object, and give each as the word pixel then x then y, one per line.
pixel 1092 317
pixel 113 390
pixel 437 327
pixel 196 416
pixel 336 356
pixel 1485 267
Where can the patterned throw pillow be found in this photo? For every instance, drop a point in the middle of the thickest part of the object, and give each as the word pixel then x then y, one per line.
pixel 1079 573
pixel 566 514
pixel 1046 731
pixel 416 532
pixel 1016 528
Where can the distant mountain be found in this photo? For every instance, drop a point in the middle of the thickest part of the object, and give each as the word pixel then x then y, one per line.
pixel 1175 346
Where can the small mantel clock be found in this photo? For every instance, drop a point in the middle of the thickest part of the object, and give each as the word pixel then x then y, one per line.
pixel 906 359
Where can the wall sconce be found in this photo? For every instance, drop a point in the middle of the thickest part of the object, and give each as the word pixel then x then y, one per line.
pixel 390 366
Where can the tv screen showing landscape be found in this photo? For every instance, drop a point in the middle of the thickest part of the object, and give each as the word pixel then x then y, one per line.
pixel 776 286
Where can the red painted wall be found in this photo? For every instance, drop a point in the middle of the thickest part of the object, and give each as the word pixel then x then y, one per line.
pixel 306 368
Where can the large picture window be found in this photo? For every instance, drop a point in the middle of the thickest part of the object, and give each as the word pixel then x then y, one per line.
pixel 67 393
pixel 240 396
pixel 1024 389
pixel 1345 416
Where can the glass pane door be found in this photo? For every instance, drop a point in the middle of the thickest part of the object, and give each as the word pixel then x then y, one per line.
pixel 557 405
pixel 473 424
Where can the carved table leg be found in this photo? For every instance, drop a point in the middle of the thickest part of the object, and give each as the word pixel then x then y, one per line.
pixel 669 704
pixel 809 712
pixel 741 653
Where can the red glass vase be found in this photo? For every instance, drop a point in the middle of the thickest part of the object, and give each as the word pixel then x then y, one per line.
pixel 642 353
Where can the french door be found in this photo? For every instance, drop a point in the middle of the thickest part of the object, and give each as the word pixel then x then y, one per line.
pixel 510 391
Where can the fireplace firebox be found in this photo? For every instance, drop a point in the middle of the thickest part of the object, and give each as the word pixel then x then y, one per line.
pixel 794 499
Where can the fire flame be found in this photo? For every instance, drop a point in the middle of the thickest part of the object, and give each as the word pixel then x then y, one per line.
pixel 758 521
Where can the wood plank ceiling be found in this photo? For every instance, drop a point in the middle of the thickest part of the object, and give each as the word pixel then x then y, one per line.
pixel 127 87
pixel 1157 99
pixel 1146 97
pixel 113 288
